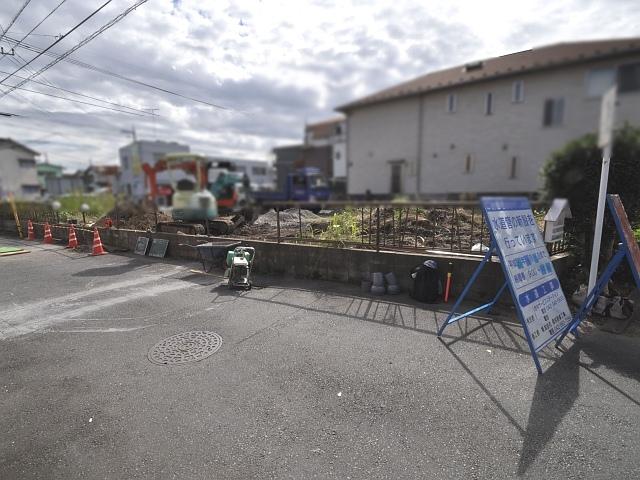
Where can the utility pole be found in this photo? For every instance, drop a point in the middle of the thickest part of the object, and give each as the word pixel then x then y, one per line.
pixel 605 142
pixel 154 115
pixel 136 166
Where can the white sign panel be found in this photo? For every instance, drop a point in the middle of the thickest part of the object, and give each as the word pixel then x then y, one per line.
pixel 607 111
pixel 533 280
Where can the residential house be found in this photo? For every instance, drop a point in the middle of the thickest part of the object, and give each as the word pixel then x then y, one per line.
pixel 487 126
pixel 66 184
pixel 46 171
pixel 333 133
pixel 101 178
pixel 132 179
pixel 18 171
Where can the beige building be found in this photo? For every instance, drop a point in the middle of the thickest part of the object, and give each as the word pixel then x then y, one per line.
pixel 18 172
pixel 487 126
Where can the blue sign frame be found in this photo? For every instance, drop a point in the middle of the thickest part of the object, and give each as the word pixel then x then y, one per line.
pixel 547 283
pixel 625 249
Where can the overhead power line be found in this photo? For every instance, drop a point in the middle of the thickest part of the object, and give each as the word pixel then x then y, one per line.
pixel 15 17
pixel 82 102
pixel 30 32
pixel 49 85
pixel 88 66
pixel 86 19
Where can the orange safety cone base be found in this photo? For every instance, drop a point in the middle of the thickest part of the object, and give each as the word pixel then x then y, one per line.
pixel 47 234
pixel 31 234
pixel 73 240
pixel 97 243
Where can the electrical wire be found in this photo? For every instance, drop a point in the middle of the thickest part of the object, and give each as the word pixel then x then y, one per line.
pixel 77 101
pixel 85 20
pixel 88 66
pixel 50 85
pixel 30 32
pixel 15 17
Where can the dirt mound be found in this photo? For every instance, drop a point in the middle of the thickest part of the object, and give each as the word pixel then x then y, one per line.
pixel 290 217
pixel 133 217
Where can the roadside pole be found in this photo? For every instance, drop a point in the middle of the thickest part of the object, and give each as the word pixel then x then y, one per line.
pixel 605 141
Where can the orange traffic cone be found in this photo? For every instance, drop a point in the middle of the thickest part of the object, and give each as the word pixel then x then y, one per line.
pixel 73 241
pixel 47 233
pixel 97 243
pixel 31 234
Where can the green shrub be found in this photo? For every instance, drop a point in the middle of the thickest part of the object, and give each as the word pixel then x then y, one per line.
pixel 344 226
pixel 573 172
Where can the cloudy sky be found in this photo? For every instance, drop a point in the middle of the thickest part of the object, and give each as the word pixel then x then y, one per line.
pixel 271 64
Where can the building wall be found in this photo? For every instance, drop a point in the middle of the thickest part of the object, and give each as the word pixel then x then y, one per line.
pixel 260 172
pixel 378 135
pixel 334 136
pixel 20 180
pixel 390 131
pixel 132 156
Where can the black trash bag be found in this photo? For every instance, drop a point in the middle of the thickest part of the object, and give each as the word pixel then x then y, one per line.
pixel 426 282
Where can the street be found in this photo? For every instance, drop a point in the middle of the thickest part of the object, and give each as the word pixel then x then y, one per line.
pixel 312 380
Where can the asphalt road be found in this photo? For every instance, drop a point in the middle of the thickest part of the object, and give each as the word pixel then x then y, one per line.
pixel 313 380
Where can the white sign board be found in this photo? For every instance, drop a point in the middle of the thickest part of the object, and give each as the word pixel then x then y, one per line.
pixel 533 280
pixel 607 119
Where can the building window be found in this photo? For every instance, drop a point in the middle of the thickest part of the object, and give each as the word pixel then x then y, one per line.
pixel 488 104
pixel 338 129
pixel 518 91
pixel 468 164
pixel 125 163
pixel 337 155
pixel 513 167
pixel 396 178
pixel 30 189
pixel 553 112
pixel 27 163
pixel 452 103
pixel 259 170
pixel 629 78
pixel 598 81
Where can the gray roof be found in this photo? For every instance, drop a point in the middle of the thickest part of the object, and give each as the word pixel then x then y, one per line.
pixel 10 143
pixel 547 57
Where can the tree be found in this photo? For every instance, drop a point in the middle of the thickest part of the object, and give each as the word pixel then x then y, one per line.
pixel 573 172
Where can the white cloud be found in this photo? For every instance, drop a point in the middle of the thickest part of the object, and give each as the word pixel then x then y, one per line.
pixel 275 64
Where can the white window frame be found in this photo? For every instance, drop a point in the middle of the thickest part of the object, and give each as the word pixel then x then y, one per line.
pixel 452 103
pixel 515 98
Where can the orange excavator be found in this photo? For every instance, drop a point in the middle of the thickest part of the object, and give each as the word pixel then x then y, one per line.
pixel 195 207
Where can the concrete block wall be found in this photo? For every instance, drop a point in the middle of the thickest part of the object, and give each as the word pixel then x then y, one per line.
pixel 316 262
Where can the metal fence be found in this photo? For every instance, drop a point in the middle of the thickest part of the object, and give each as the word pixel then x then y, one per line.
pixel 457 227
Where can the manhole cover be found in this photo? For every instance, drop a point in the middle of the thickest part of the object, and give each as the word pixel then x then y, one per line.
pixel 185 348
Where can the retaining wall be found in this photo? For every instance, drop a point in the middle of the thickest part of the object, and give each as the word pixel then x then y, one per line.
pixel 316 262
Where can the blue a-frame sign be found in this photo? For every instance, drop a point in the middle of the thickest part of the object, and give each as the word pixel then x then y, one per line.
pixel 516 239
pixel 628 247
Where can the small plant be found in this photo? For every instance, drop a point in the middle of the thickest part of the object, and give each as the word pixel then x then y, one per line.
pixel 344 226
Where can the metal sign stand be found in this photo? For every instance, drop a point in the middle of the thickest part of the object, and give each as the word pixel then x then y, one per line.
pixel 625 249
pixel 453 317
pixel 535 289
